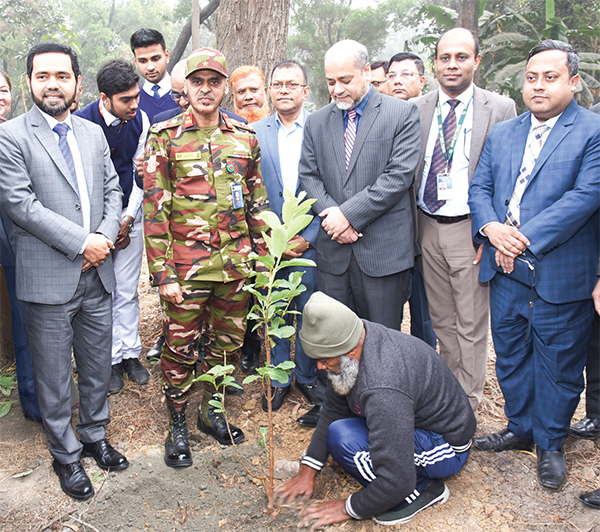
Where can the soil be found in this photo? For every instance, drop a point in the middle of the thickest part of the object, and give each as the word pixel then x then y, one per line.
pixel 493 492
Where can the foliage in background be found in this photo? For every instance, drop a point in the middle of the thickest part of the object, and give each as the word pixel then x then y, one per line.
pixel 7 383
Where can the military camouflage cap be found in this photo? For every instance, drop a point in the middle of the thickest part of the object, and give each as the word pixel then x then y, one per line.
pixel 206 59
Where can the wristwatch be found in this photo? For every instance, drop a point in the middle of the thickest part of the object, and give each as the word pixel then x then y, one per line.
pixel 129 222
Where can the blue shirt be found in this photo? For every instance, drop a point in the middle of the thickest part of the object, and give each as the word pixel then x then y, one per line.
pixel 290 148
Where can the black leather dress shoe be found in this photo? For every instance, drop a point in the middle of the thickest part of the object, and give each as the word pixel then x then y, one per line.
pixel 218 428
pixel 311 417
pixel 116 378
pixel 135 370
pixel 313 392
pixel 551 468
pixel 278 394
pixel 586 429
pixel 154 352
pixel 73 480
pixel 105 455
pixel 505 440
pixel 591 499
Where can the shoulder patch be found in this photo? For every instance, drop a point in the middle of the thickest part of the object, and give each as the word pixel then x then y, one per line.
pixel 167 124
pixel 240 125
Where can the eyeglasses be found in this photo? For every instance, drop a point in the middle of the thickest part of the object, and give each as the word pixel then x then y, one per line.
pixel 177 96
pixel 377 83
pixel 292 86
pixel 405 74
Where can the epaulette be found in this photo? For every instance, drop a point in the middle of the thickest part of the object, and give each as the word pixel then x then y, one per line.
pixel 167 124
pixel 237 124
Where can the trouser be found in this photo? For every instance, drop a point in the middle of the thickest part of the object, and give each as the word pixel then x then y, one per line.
pixel 218 309
pixel 420 321
pixel 592 372
pixel 348 444
pixel 127 264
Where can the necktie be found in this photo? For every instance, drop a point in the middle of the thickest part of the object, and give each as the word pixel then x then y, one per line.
pixel 62 129
pixel 532 152
pixel 438 161
pixel 116 125
pixel 155 89
pixel 350 136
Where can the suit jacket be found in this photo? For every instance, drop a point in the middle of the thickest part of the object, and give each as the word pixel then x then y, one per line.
pixel 267 135
pixel 559 208
pixel 37 193
pixel 374 193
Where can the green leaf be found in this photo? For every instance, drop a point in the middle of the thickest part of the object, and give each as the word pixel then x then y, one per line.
pixel 298 262
pixel 215 403
pixel 279 375
pixel 286 365
pixel 23 474
pixel 270 218
pixel 250 378
pixel 278 241
pixel 283 332
pixel 5 408
pixel 298 224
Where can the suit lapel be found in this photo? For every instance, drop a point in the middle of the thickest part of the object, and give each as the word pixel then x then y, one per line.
pixel 272 147
pixel 481 119
pixel 365 124
pixel 84 140
pixel 335 127
pixel 518 148
pixel 426 114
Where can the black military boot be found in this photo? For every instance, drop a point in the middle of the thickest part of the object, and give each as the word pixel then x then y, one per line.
pixel 177 445
pixel 214 424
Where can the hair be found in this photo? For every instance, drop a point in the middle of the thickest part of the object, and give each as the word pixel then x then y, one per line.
pixel 380 64
pixel 403 56
pixel 146 37
pixel 6 78
pixel 51 47
pixel 475 40
pixel 361 57
pixel 552 44
pixel 116 76
pixel 288 63
pixel 243 71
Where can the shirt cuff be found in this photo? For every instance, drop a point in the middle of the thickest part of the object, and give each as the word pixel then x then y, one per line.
pixel 349 510
pixel 481 230
pixel 85 244
pixel 135 201
pixel 312 463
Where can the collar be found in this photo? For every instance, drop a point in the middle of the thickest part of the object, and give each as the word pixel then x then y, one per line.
pixel 360 108
pixel 551 122
pixel 189 122
pixel 299 122
pixel 52 121
pixel 164 84
pixel 109 118
pixel 463 97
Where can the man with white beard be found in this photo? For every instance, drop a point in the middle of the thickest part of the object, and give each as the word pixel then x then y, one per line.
pixel 395 419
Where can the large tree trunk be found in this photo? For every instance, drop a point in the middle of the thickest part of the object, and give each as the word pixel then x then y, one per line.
pixel 250 32
pixel 469 18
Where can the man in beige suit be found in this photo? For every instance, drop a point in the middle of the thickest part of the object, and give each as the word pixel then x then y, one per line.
pixel 455 122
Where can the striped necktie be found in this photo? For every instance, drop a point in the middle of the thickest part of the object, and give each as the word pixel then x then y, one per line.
pixel 62 129
pixel 532 152
pixel 438 161
pixel 350 136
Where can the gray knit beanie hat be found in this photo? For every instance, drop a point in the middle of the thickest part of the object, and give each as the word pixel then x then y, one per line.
pixel 329 328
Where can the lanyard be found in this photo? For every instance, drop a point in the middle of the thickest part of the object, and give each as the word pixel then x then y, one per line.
pixel 450 152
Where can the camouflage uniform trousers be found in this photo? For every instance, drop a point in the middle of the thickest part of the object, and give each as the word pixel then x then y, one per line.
pixel 217 308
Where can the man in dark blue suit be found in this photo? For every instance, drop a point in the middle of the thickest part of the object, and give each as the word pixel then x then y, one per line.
pixel 280 136
pixel 535 198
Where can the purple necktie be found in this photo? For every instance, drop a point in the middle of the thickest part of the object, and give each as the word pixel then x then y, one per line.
pixel 438 161
pixel 350 136
pixel 62 129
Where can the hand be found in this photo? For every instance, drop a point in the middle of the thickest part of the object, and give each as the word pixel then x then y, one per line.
pixel 98 249
pixel 478 256
pixel 326 513
pixel 171 292
pixel 348 236
pixel 86 265
pixel 506 238
pixel 123 238
pixel 505 262
pixel 301 246
pixel 596 296
pixel 335 223
pixel 139 165
pixel 301 485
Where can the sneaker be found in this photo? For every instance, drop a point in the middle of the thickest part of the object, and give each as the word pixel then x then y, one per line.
pixel 436 491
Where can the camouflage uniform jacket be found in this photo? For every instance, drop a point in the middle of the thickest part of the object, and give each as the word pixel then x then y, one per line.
pixel 192 231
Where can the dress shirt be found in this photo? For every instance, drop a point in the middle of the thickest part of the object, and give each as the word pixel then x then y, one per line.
pixel 137 194
pixel 460 160
pixel 164 86
pixel 360 109
pixel 290 148
pixel 84 197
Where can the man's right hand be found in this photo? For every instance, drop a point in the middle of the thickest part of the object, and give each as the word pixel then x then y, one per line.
pixel 507 239
pixel 98 249
pixel 302 485
pixel 171 292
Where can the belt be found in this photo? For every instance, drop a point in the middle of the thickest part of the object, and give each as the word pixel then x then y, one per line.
pixel 447 219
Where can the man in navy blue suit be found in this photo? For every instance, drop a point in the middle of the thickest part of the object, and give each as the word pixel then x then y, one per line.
pixel 535 197
pixel 280 137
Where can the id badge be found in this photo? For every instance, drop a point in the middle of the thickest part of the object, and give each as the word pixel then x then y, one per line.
pixel 236 194
pixel 444 186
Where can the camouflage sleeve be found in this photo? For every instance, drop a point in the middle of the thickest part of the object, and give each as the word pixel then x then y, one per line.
pixel 256 201
pixel 158 192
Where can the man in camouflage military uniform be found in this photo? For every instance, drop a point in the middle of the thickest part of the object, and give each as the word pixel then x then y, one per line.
pixel 203 195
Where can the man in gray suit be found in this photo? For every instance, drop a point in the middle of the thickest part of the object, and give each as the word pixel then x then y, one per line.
pixel 461 115
pixel 358 161
pixel 66 209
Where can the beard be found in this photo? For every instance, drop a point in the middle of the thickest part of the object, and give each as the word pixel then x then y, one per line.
pixel 55 109
pixel 343 381
pixel 343 106
pixel 253 114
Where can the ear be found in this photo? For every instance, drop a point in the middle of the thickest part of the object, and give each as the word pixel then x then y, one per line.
pixel 306 92
pixel 368 72
pixel 477 61
pixel 574 81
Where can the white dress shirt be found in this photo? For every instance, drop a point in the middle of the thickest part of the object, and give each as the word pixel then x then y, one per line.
pixel 164 86
pixel 290 148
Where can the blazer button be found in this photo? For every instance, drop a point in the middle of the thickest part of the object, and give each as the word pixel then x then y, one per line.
pixel 506 202
pixel 281 194
pixel 77 207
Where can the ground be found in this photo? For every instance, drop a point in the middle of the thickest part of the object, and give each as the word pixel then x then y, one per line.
pixel 493 492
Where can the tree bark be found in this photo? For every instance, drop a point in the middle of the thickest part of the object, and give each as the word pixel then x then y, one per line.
pixel 253 33
pixel 469 15
pixel 186 32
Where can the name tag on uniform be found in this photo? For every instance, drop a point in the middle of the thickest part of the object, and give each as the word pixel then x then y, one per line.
pixel 236 194
pixel 444 186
